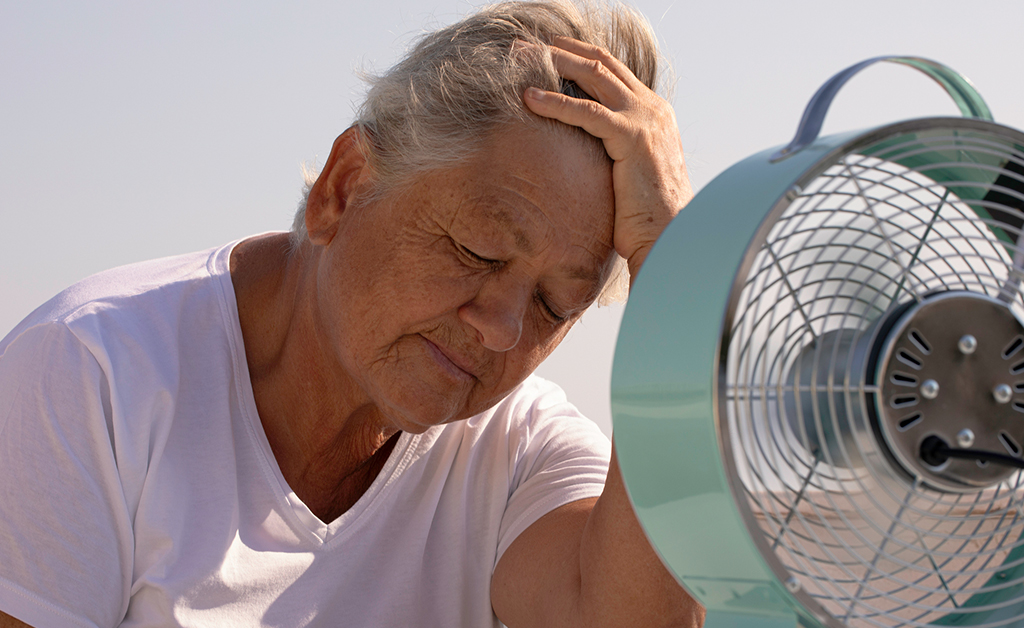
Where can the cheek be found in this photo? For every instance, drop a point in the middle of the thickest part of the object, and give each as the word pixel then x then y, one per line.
pixel 515 366
pixel 406 294
pixel 542 340
pixel 553 337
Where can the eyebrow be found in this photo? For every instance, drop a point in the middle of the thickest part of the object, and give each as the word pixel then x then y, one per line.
pixel 503 218
pixel 525 245
pixel 585 274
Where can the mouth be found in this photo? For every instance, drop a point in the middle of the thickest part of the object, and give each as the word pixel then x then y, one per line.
pixel 449 361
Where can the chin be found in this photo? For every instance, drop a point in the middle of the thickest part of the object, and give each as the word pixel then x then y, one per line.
pixel 417 416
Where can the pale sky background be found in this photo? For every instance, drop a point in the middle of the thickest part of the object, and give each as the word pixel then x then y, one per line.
pixel 133 130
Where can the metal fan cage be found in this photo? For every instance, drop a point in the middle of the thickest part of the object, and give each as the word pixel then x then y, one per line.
pixel 856 539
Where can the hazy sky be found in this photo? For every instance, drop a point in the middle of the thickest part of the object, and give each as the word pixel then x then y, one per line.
pixel 134 130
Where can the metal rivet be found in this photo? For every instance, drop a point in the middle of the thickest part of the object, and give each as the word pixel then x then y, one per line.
pixel 965 438
pixel 930 389
pixel 967 345
pixel 1002 393
pixel 792 584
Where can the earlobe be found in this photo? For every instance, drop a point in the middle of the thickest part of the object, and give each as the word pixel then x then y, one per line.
pixel 344 173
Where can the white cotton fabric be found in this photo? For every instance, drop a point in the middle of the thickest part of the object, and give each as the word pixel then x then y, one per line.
pixel 137 487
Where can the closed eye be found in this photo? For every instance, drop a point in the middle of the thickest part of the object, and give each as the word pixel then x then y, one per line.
pixel 548 312
pixel 472 256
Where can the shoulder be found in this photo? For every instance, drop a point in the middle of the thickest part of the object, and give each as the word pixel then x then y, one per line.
pixel 133 301
pixel 534 401
pixel 535 411
pixel 534 428
pixel 116 286
pixel 538 409
pixel 124 340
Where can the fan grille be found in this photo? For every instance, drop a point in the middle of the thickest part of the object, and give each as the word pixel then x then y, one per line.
pixel 864 542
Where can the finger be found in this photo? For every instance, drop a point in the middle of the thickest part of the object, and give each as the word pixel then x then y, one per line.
pixel 593 77
pixel 597 53
pixel 592 117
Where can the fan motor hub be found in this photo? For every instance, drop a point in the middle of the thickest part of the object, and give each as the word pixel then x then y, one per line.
pixel 952 365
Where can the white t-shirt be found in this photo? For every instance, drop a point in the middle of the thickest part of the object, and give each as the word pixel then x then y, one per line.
pixel 137 487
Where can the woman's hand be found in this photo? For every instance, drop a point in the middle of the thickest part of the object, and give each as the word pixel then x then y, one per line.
pixel 639 131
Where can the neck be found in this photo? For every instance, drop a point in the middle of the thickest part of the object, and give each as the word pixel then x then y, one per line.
pixel 330 442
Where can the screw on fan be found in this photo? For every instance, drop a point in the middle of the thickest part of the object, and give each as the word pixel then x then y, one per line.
pixel 949 374
pixel 949 411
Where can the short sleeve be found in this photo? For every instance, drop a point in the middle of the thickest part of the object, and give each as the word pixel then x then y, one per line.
pixel 66 541
pixel 558 456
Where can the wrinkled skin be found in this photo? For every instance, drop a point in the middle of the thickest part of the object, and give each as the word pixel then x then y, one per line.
pixel 443 296
pixel 419 307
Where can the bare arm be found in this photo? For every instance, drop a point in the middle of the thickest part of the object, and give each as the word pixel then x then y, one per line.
pixel 589 563
pixel 618 563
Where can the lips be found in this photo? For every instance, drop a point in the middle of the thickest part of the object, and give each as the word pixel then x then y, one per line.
pixel 458 365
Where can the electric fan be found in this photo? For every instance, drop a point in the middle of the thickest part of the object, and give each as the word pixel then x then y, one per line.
pixel 818 388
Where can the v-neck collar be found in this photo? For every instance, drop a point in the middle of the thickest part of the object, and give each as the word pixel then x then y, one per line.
pixel 306 524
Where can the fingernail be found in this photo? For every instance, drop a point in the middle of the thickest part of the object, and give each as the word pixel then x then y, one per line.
pixel 535 93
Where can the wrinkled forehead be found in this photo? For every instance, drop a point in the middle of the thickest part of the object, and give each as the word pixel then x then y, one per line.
pixel 560 169
pixel 547 185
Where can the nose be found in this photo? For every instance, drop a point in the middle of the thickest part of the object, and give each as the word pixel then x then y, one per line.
pixel 497 312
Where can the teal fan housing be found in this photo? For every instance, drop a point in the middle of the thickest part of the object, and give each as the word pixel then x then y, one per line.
pixel 818 387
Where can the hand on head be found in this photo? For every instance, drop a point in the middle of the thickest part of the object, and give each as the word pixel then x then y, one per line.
pixel 639 132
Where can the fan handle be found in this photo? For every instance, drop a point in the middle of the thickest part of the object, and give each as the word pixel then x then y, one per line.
pixel 956 85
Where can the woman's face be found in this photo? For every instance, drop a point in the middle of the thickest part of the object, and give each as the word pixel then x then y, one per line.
pixel 438 300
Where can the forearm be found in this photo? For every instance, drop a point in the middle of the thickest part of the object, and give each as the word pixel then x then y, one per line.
pixel 622 580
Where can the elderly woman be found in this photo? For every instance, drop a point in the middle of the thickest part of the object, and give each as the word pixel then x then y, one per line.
pixel 338 426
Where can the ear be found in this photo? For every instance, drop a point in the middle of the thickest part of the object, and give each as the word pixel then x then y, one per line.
pixel 344 173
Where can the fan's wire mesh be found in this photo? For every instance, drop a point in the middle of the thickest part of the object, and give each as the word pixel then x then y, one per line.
pixel 871 545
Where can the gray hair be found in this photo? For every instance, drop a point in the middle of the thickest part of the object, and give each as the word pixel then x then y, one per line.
pixel 460 84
